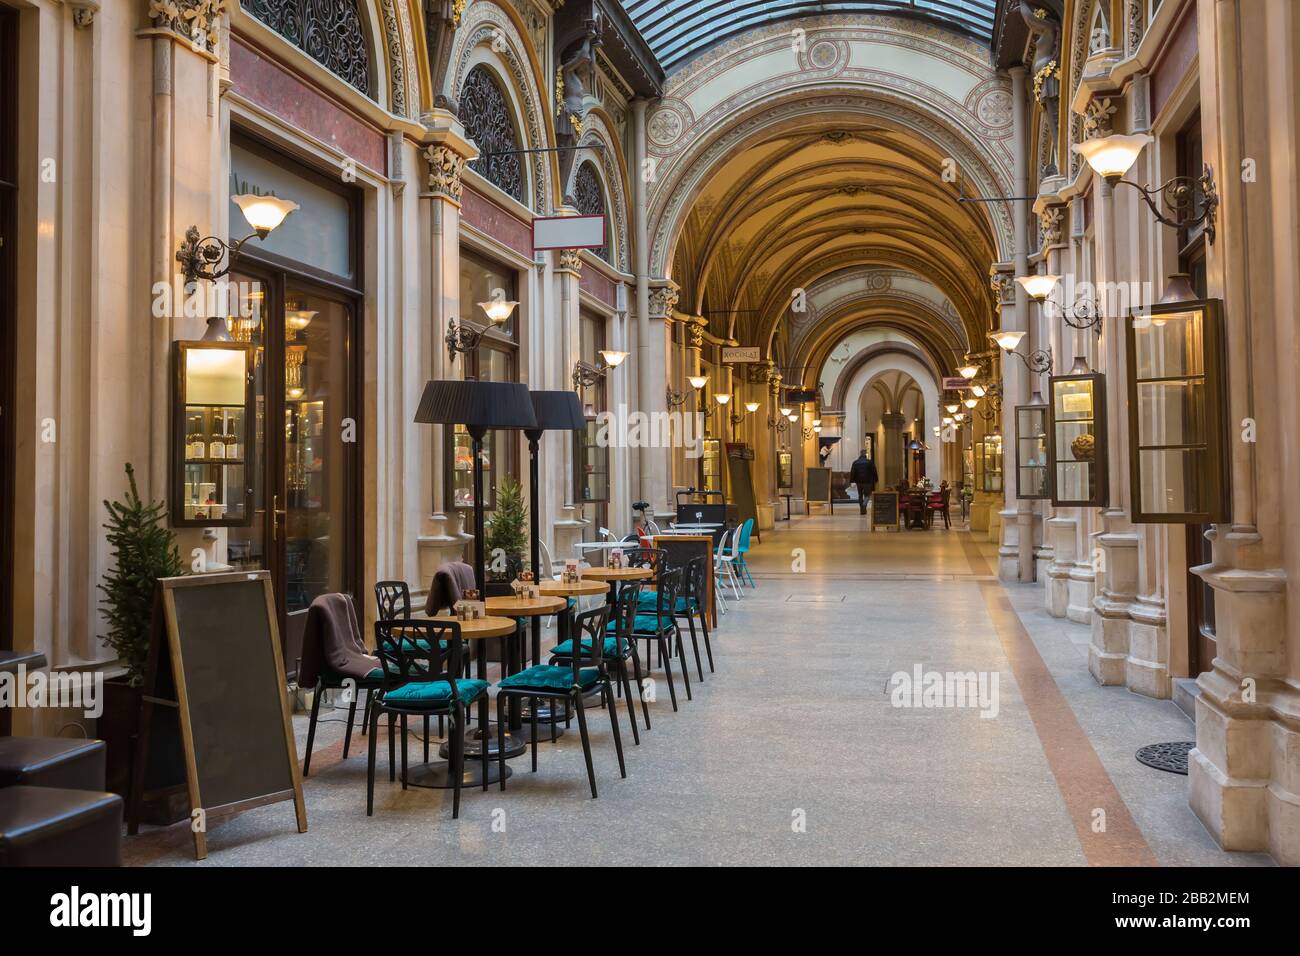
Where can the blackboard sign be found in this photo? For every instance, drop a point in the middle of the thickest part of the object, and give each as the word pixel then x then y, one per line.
pixel 215 658
pixel 680 550
pixel 884 510
pixel 819 487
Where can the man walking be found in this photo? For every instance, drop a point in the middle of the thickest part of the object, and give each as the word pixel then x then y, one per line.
pixel 863 474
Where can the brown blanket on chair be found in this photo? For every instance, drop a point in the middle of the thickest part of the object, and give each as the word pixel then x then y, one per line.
pixel 331 639
pixel 450 581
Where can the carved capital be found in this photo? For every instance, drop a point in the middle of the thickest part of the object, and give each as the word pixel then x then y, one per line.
pixel 694 335
pixel 571 259
pixel 1049 224
pixel 662 300
pixel 445 167
pixel 1097 117
pixel 197 22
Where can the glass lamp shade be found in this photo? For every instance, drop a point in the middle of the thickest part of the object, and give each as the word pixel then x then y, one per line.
pixel 299 319
pixel 1038 287
pixel 978 391
pixel 793 417
pixel 1007 340
pixel 722 398
pixel 970 403
pixel 613 358
pixel 950 409
pixel 1112 156
pixel 498 311
pixel 817 428
pixel 751 407
pixel 959 417
pixel 476 405
pixel 949 419
pixel 698 381
pixel 968 371
pixel 785 411
pixel 263 213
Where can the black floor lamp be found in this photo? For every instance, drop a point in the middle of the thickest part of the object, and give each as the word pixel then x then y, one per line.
pixel 554 411
pixel 478 406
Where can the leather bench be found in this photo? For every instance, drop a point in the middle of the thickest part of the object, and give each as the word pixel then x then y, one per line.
pixel 53 826
pixel 53 762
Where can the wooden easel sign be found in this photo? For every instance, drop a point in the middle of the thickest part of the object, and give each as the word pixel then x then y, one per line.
pixel 215 658
pixel 884 510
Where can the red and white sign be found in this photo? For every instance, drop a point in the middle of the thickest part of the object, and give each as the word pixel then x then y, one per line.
pixel 568 232
pixel 955 383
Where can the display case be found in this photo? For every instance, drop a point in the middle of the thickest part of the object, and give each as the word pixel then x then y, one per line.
pixel 1032 473
pixel 711 465
pixel 988 464
pixel 1177 413
pixel 1076 439
pixel 212 409
pixel 784 469
pixel 462 468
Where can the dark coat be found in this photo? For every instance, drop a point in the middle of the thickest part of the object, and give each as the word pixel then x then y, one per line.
pixel 863 472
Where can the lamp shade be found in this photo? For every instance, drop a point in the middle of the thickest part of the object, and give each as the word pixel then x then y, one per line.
pixel 1007 339
pixel 1112 156
pixel 557 411
pixel 476 405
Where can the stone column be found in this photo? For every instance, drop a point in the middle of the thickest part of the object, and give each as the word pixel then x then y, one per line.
pixel 647 383
pixel 445 154
pixel 1244 774
pixel 654 370
pixel 892 471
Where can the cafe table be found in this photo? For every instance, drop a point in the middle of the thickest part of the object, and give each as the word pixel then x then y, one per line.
pixel 566 590
pixel 507 606
pixel 437 776
pixel 612 576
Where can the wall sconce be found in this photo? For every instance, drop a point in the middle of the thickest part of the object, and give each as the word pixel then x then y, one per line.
pixel 738 417
pixel 1111 157
pixel 585 374
pixel 1038 287
pixel 951 409
pixel 968 402
pixel 465 336
pixel 977 391
pixel 199 256
pixel 1038 361
pixel 968 371
pixel 1178 409
pixel 674 399
pixel 1083 315
pixel 698 381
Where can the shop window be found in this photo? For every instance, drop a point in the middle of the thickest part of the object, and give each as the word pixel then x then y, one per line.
pixel 591 460
pixel 485 113
pixel 331 32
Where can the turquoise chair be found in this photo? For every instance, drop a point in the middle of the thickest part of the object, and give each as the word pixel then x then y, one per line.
pixel 742 547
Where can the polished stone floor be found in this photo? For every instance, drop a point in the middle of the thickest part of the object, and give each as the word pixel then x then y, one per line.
pixel 793 752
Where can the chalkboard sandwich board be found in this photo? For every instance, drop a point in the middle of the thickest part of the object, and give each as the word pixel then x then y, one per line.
pixel 884 510
pixel 215 659
pixel 818 488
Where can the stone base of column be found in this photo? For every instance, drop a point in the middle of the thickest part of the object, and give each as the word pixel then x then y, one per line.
pixel 1130 647
pixel 1108 650
pixel 994 534
pixel 1009 556
pixel 980 507
pixel 446 542
pixel 1081 589
pixel 1059 533
pixel 568 532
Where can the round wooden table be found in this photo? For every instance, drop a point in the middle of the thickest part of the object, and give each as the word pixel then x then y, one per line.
pixel 437 776
pixel 614 575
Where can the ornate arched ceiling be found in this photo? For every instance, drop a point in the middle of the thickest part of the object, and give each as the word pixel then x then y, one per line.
pixel 782 168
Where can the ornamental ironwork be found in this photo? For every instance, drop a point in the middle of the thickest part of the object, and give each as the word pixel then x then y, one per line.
pixel 329 31
pixel 485 113
pixel 590 198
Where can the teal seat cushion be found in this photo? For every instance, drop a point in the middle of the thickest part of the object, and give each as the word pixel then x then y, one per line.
pixel 433 691
pixel 645 624
pixel 648 602
pixel 551 677
pixel 565 648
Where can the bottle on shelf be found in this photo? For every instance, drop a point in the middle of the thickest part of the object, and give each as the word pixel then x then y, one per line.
pixel 216 442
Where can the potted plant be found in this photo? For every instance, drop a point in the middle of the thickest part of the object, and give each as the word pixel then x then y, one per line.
pixel 507 538
pixel 144 550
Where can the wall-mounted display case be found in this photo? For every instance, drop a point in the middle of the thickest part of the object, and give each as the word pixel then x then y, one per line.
pixel 1177 414
pixel 988 463
pixel 212 410
pixel 711 465
pixel 784 469
pixel 1076 440
pixel 1032 473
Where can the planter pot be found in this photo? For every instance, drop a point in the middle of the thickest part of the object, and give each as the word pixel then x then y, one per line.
pixel 166 799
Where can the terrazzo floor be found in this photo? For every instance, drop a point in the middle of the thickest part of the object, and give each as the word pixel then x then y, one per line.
pixel 792 753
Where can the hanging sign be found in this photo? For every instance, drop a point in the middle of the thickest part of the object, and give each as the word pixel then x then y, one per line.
pixel 955 383
pixel 568 232
pixel 741 353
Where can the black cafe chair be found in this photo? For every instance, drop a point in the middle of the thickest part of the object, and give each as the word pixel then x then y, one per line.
pixel 619 649
pixel 658 628
pixel 393 602
pixel 419 659
pixel 583 675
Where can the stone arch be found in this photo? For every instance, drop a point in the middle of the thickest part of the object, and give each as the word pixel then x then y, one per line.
pixel 867 373
pixel 490 34
pixel 393 23
pixel 609 161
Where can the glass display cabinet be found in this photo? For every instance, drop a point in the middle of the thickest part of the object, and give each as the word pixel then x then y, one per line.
pixel 988 463
pixel 1076 438
pixel 462 469
pixel 1177 411
pixel 1032 473
pixel 784 469
pixel 212 408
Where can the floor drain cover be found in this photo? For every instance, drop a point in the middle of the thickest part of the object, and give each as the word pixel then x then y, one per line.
pixel 1170 757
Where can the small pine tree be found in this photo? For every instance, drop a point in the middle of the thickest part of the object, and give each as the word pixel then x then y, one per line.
pixel 507 535
pixel 144 550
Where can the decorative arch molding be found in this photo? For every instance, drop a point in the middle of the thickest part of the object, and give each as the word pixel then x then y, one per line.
pixel 864 377
pixel 490 35
pixel 402 64
pixel 1078 34
pixel 688 148
pixel 340 35
pixel 863 356
pixel 918 329
pixel 597 128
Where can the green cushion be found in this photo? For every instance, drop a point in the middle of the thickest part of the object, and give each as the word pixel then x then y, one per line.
pixel 551 677
pixel 432 691
pixel 565 648
pixel 648 602
pixel 645 624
